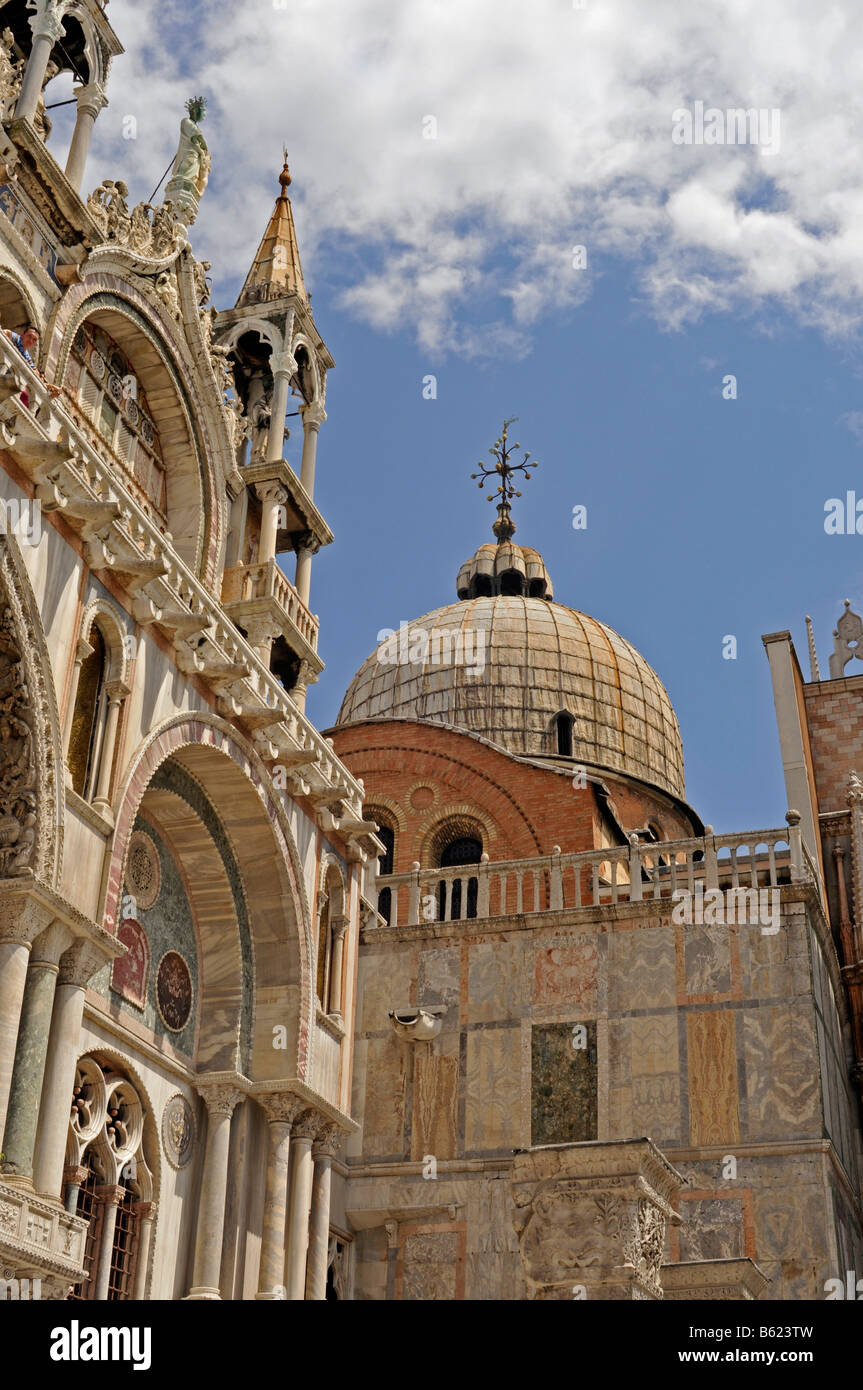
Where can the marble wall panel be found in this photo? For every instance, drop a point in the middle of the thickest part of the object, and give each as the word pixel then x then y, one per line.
pixel 706 960
pixel 435 1111
pixel 712 1068
pixel 565 975
pixel 384 983
pixel 782 1071
pixel 430 1266
pixel 641 969
pixel 440 981
pixel 496 982
pixel 492 1087
pixel 655 1077
pixel 563 1085
pixel 712 1229
pixel 383 1121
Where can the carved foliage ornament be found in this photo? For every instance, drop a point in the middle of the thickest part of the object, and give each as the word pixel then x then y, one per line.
pixel 153 233
pixel 29 830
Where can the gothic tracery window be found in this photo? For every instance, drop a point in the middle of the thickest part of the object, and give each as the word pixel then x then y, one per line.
pixel 105 1150
pixel 103 381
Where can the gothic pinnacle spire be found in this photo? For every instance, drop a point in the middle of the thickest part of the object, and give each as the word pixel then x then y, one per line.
pixel 276 270
pixel 501 451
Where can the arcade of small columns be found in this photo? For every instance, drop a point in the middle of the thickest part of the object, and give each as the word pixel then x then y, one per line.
pixel 272 497
pixel 302 1143
pixel 44 971
pixel 47 27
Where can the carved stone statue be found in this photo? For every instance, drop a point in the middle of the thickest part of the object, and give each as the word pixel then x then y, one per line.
pixel 192 164
pixel 109 210
pixel 259 424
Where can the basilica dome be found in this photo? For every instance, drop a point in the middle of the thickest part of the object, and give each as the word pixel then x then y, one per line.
pixel 506 661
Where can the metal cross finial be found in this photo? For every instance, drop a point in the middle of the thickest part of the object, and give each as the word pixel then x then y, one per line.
pixel 501 451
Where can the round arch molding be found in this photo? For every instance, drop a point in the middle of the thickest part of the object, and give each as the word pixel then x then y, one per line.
pixel 229 773
pixel 32 805
pixel 188 427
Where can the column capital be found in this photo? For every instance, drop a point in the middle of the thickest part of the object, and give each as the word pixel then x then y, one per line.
pixel 283 364
pixel 271 492
pixel 50 945
pixel 148 1211
pixel 80 962
pixel 280 1108
pixel 338 926
pixel 307 1126
pixel 47 22
pixel 307 540
pixel 117 691
pixel 328 1141
pixel 75 1174
pixel 110 1195
pixel 220 1097
pixel 91 98
pixel 22 918
pixel 83 649
pixel 313 415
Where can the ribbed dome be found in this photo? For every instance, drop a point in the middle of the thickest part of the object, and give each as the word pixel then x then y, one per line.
pixel 532 659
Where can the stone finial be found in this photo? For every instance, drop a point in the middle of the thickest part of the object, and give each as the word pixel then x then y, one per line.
pixel 814 672
pixel 855 789
pixel 847 641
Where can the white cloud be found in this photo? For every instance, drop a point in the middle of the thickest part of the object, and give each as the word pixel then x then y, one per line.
pixel 553 129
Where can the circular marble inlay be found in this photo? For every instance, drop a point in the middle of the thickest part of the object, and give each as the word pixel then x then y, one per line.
pixel 98 365
pixel 143 871
pixel 174 991
pixel 178 1131
pixel 422 798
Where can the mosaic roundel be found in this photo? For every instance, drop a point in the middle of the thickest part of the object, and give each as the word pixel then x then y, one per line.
pixel 178 1130
pixel 174 991
pixel 143 871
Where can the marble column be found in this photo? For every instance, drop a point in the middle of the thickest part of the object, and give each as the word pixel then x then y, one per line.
pixel 146 1214
pixel 21 919
pixel 323 1152
pixel 73 1180
pixel 110 1198
pixel 77 966
pixel 221 1101
pixel 302 1167
pixel 116 692
pixel 281 1111
pixel 47 26
pixel 307 546
pixel 19 1139
pixel 283 367
pixel 83 649
pixel 338 926
pixel 272 496
pixel 313 417
pixel 91 100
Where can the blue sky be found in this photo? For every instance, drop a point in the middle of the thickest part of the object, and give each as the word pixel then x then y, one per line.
pixel 452 256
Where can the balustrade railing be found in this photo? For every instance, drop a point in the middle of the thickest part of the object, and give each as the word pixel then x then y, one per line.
pixel 244 582
pixel 556 882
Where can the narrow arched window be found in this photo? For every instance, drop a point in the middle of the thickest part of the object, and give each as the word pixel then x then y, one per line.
pixel 464 849
pixel 512 583
pixel 86 732
pixel 564 725
pixel 322 977
pixel 386 861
